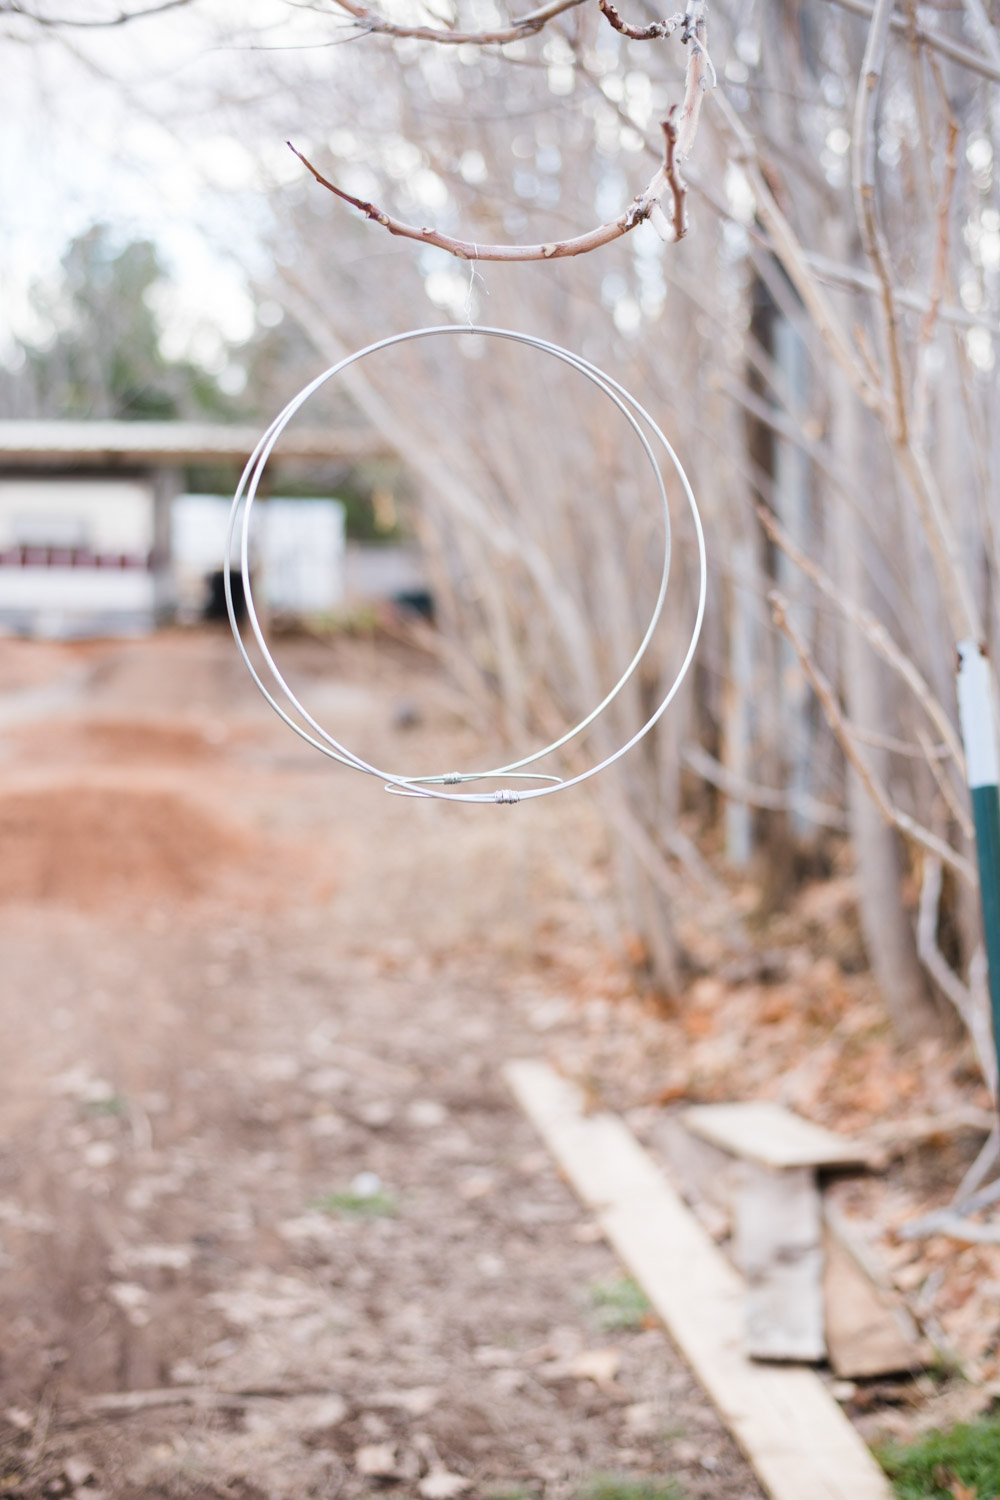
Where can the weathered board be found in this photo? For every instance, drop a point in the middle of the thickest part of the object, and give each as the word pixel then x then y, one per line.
pixel 772 1135
pixel 794 1434
pixel 868 1330
pixel 777 1245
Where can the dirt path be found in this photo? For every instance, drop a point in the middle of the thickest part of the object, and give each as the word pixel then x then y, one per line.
pixel 269 1222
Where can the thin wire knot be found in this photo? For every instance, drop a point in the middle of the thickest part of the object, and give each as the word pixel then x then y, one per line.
pixel 506 794
pixel 452 779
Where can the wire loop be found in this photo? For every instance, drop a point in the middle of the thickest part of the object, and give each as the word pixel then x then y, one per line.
pixel 434 786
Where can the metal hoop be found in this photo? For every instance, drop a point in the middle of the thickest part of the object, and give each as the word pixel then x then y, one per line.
pixel 432 786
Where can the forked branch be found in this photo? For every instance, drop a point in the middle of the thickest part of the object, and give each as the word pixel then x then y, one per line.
pixel 678 139
pixel 653 32
pixel 667 178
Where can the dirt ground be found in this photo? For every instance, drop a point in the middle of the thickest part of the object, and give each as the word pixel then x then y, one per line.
pixel 270 1224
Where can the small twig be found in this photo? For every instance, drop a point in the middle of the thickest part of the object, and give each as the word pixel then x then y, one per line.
pixel 875 634
pixel 525 26
pixel 932 755
pixel 638 210
pixel 944 976
pixel 872 235
pixel 676 225
pixel 699 79
pixel 929 321
pixel 13 8
pixel 835 717
pixel 785 245
pixel 648 33
pixel 946 45
pixel 771 798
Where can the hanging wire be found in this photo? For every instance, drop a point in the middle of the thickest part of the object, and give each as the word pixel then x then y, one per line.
pixel 434 786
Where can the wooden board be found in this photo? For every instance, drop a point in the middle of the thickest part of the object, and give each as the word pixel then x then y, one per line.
pixel 868 1330
pixel 705 1173
pixel 777 1245
pixel 794 1434
pixel 772 1135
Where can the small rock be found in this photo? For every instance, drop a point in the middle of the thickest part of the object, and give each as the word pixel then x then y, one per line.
pixel 376 1460
pixel 641 1418
pixel 77 1470
pixel 418 1401
pixel 133 1301
pixel 377 1115
pixel 426 1113
pixel 440 1485
pixel 100 1154
pixel 366 1185
pixel 492 1357
pixel 599 1365
pixel 480 1185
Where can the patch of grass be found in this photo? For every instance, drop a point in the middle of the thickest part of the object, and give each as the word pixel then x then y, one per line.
pixel 626 1487
pixel 510 1492
pixel 619 1304
pixel 115 1104
pixel 943 1464
pixel 357 1205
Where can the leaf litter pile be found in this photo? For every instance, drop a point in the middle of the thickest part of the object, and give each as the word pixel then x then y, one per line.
pixel 270 1224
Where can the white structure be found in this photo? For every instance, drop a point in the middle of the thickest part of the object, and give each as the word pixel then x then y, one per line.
pixel 297 552
pixel 86 520
pixel 78 555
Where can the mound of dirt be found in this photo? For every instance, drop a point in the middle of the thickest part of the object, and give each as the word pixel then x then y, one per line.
pixel 94 846
pixel 128 740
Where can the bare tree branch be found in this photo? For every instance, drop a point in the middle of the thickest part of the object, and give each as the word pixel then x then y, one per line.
pixel 667 177
pixel 525 26
pixel 976 1021
pixel 700 76
pixel 789 250
pixel 874 633
pixel 936 40
pixel 838 723
pixel 872 237
pixel 770 798
pixel 648 33
pixel 15 8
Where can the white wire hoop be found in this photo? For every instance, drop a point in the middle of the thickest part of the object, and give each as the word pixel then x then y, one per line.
pixel 435 786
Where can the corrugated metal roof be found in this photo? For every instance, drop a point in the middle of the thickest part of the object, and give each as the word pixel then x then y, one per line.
pixel 118 444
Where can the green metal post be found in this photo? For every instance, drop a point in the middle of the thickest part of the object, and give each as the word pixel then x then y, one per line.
pixel 975 709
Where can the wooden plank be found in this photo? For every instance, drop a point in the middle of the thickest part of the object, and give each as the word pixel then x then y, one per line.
pixel 868 1329
pixel 772 1135
pixel 705 1173
pixel 794 1434
pixel 778 1247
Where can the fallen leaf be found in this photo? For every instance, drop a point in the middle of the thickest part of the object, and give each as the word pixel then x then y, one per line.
pixel 440 1485
pixel 377 1460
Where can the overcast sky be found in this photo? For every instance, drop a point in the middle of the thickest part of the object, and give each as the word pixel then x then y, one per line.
pixel 113 125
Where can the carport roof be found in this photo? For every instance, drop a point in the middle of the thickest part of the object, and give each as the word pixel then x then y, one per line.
pixel 144 444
